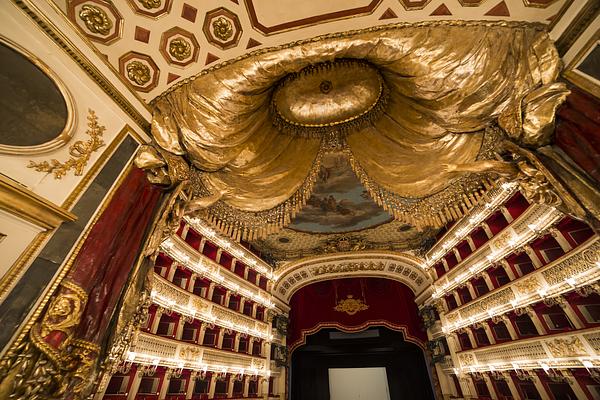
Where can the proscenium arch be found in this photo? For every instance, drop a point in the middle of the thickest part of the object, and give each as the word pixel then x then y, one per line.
pixel 401 267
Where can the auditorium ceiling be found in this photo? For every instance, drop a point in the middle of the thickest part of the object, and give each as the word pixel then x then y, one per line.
pixel 155 44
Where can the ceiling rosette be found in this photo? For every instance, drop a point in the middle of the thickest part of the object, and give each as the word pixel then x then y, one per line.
pixel 415 108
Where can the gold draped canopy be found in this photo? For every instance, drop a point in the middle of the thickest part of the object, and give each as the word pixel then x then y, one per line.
pixel 447 82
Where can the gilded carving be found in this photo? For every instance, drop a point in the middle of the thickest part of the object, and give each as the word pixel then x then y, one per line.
pixel 96 20
pixel 150 4
pixel 138 72
pixel 192 353
pixel 574 265
pixel 566 347
pixel 350 305
pixel 528 286
pixel 466 360
pixel 64 310
pixel 180 49
pixel 80 152
pixel 222 28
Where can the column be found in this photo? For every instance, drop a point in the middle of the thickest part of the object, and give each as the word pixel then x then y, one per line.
pixel 509 327
pixel 246 272
pixel 457 254
pixel 254 310
pixel 574 383
pixel 220 336
pixel 488 332
pixel 210 291
pixel 157 315
pixel 467 387
pixel 164 385
pixel 184 231
pixel 506 213
pixel 190 387
pixel 471 289
pixel 250 344
pixel 201 333
pixel 539 386
pixel 445 264
pixel 218 256
pixel 227 297
pixel 135 385
pixel 486 229
pixel 212 386
pixel 242 302
pixel 509 271
pixel 101 389
pixel 171 272
pixel 511 385
pixel 179 328
pixel 571 314
pixel 236 342
pixel 201 246
pixel 471 337
pixel 537 263
pixel 190 287
pixel 490 386
pixel 487 280
pixel 560 238
pixel 457 298
pixel 537 322
pixel 471 242
pixel 246 385
pixel 230 385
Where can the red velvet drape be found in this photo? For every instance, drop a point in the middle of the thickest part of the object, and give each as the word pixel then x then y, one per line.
pixel 390 303
pixel 578 131
pixel 110 250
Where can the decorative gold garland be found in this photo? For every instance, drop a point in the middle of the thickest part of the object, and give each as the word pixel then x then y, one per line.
pixel 80 152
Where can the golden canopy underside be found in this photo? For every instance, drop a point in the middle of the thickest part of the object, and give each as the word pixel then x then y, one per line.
pixel 447 82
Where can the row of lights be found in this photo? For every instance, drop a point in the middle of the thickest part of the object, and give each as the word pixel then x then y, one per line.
pixel 207 317
pixel 469 222
pixel 199 266
pixel 525 365
pixel 569 284
pixel 233 247
pixel 154 362
pixel 513 243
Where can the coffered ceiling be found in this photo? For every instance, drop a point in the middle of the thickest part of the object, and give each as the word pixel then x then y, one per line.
pixel 155 44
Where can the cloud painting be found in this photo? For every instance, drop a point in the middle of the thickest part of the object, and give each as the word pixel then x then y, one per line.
pixel 339 202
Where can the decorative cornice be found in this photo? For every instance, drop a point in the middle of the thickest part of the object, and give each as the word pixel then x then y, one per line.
pixel 22 202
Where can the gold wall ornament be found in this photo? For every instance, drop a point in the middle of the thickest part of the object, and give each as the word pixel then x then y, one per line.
pixel 80 152
pixel 180 49
pixel 150 4
pixel 350 305
pixel 566 347
pixel 222 28
pixel 96 20
pixel 138 72
pixel 528 286
pixel 64 311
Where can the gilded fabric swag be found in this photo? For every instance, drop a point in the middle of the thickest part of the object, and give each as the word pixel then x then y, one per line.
pixel 413 106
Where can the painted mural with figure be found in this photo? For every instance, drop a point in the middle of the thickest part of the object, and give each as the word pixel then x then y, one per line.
pixel 339 202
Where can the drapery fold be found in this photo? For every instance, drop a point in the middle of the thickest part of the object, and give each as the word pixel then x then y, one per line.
pixel 447 82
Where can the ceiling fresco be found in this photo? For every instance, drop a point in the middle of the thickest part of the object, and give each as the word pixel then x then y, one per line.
pixel 339 202
pixel 155 44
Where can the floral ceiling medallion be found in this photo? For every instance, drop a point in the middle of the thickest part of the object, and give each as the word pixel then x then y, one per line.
pixel 341 96
pixel 350 305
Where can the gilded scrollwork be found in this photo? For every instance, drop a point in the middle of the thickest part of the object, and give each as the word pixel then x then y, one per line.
pixel 528 286
pixel 95 19
pixel 350 305
pixel 80 152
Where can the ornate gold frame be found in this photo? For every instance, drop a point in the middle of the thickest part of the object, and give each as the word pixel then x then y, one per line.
pixel 581 79
pixel 68 130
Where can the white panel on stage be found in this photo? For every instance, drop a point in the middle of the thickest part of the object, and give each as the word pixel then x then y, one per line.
pixel 358 384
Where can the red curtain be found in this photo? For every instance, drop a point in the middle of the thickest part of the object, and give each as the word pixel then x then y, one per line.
pixel 390 303
pixel 578 131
